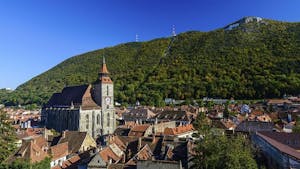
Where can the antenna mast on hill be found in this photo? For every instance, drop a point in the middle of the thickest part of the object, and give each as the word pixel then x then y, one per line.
pixel 173 31
pixel 136 37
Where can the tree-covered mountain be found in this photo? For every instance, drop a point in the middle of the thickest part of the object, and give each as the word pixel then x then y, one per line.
pixel 253 59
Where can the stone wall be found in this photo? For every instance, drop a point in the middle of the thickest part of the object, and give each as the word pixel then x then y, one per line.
pixel 88 143
pixel 91 121
pixel 275 158
pixel 160 127
pixel 61 119
pixel 108 109
pixel 147 164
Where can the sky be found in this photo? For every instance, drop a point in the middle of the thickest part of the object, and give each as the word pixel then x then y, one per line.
pixel 36 35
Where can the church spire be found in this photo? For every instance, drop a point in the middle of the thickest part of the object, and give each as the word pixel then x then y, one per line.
pixel 104 68
pixel 104 74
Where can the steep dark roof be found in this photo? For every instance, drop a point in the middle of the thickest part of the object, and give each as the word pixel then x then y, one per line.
pixel 287 149
pixel 96 162
pixel 162 164
pixel 173 115
pixel 139 113
pixel 67 96
pixel 289 139
pixel 122 131
pixel 139 130
pixel 254 126
pixel 74 139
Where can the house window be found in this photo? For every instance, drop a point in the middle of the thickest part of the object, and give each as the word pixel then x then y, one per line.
pixel 98 119
pixel 87 121
pixel 108 120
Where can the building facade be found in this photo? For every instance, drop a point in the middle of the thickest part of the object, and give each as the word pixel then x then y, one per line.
pixel 88 108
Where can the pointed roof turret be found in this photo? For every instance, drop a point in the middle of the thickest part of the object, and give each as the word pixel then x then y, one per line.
pixel 104 68
pixel 104 74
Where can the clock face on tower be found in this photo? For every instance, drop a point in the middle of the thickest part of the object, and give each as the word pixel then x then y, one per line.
pixel 107 100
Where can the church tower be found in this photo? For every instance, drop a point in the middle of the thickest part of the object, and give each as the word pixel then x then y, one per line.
pixel 107 100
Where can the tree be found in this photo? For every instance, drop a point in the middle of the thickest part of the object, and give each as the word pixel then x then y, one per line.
pixel 7 137
pixel 226 110
pixel 44 164
pixel 25 164
pixel 215 150
pixel 239 154
pixel 202 124
pixel 296 128
pixel 210 104
pixel 221 152
pixel 8 146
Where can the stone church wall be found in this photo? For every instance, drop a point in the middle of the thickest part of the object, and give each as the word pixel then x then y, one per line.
pixel 61 119
pixel 91 122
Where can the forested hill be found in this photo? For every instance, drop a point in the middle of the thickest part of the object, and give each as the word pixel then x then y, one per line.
pixel 253 59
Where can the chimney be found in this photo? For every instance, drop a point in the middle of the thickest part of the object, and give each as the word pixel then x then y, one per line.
pixel 137 121
pixel 153 138
pixel 64 134
pixel 123 158
pixel 33 140
pixel 29 124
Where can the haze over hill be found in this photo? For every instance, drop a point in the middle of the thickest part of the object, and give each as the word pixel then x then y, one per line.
pixel 248 59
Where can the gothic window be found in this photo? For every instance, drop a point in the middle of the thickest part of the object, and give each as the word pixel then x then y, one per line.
pixel 108 120
pixel 98 119
pixel 87 121
pixel 107 90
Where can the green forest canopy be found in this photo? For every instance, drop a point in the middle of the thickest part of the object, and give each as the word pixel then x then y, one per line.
pixel 253 61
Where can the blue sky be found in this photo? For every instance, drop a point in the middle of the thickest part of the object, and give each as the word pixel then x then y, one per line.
pixel 36 35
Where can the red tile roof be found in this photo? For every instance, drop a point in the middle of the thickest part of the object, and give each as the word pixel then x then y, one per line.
pixel 116 140
pixel 59 151
pixel 144 154
pixel 33 148
pixel 74 138
pixel 107 153
pixel 29 132
pixel 139 130
pixel 257 112
pixel 228 124
pixel 179 130
pixel 71 163
pixel 278 101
